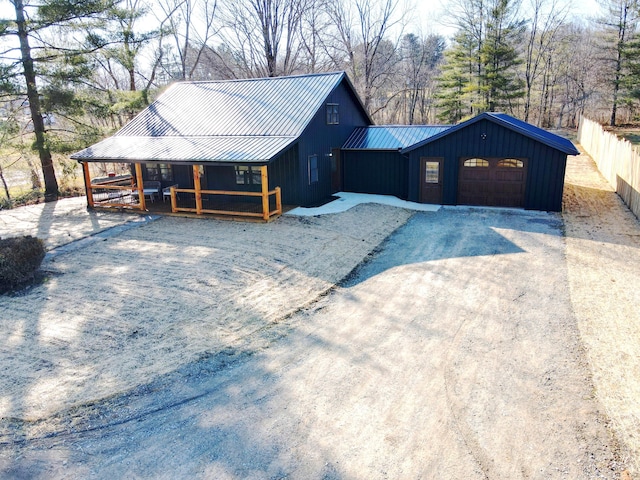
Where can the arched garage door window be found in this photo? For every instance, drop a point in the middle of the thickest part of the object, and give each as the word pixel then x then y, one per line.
pixel 510 163
pixel 476 162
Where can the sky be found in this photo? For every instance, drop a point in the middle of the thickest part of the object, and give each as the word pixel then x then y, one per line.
pixel 428 16
pixel 432 15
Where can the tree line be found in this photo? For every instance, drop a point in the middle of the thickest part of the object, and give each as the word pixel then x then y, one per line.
pixel 74 71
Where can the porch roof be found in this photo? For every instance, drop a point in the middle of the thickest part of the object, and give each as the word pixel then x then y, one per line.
pixel 194 149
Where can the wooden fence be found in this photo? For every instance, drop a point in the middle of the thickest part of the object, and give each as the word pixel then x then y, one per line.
pixel 616 159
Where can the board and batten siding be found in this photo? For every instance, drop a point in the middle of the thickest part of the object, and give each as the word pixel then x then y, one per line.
pixel 284 172
pixel 545 166
pixel 319 139
pixel 375 171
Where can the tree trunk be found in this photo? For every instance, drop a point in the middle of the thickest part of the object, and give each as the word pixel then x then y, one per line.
pixel 50 182
pixel 6 187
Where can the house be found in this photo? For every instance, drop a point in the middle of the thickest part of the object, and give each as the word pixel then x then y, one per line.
pixel 246 147
pixel 242 146
pixel 492 159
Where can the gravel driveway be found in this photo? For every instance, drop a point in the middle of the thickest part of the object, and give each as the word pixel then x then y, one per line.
pixel 452 353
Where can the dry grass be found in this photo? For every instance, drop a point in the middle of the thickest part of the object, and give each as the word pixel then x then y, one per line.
pixel 603 258
pixel 118 313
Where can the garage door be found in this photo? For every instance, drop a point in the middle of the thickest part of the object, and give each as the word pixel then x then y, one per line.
pixel 497 182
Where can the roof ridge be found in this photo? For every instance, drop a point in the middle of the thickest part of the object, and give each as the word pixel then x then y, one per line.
pixel 256 79
pixel 405 126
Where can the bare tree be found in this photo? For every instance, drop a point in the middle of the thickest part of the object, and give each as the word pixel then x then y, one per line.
pixel 314 27
pixel 361 43
pixel 420 57
pixel 620 24
pixel 546 20
pixel 265 35
pixel 191 25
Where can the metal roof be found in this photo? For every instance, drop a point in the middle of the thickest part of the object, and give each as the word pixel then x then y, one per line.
pixel 507 121
pixel 196 116
pixel 186 149
pixel 390 137
pixel 551 139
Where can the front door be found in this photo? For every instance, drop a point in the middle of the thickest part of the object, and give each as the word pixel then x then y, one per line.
pixel 431 180
pixel 336 171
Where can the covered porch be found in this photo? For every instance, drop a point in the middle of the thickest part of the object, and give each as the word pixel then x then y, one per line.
pixel 166 188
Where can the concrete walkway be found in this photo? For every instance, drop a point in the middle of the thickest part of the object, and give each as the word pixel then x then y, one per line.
pixel 347 200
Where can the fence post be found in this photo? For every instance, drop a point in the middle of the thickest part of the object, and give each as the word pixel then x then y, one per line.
pixel 174 200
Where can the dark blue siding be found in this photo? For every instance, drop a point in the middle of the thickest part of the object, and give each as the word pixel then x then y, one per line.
pixel 545 166
pixel 319 139
pixel 182 175
pixel 371 171
pixel 284 172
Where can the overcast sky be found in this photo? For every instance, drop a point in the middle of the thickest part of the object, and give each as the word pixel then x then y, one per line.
pixel 428 16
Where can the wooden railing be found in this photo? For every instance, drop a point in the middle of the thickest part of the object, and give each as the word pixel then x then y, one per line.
pixel 118 196
pixel 265 214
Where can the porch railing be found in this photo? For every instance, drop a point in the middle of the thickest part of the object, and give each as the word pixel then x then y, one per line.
pixel 113 193
pixel 265 213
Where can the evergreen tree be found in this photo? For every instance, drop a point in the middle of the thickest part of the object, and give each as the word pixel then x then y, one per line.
pixel 481 68
pixel 619 44
pixel 30 27
pixel 456 80
pixel 499 81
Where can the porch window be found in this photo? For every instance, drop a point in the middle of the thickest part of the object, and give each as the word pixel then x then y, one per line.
pixel 248 175
pixel 333 117
pixel 313 169
pixel 160 172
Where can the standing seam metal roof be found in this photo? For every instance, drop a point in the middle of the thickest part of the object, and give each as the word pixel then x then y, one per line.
pixel 390 137
pixel 187 149
pixel 268 106
pixel 227 114
pixel 524 128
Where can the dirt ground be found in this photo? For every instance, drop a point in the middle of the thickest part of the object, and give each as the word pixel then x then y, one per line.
pixel 603 259
pixel 467 344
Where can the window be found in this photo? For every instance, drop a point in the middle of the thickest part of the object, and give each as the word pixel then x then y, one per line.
pixel 333 117
pixel 431 172
pixel 313 169
pixel 248 175
pixel 510 163
pixel 476 162
pixel 160 172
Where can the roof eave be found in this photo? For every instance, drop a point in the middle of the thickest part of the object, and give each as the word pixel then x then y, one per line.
pixel 498 120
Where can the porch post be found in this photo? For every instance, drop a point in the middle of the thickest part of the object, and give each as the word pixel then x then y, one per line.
pixel 143 205
pixel 279 200
pixel 265 192
pixel 196 186
pixel 87 183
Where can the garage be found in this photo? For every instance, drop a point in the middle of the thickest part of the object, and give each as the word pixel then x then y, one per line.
pixel 489 160
pixel 497 182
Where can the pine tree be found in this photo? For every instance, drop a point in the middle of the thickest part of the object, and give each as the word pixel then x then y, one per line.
pixel 481 68
pixel 619 45
pixel 29 28
pixel 456 81
pixel 499 81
